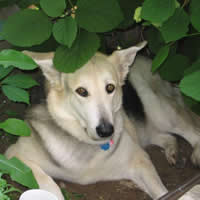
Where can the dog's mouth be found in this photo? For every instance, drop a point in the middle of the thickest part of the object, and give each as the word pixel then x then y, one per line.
pixel 98 140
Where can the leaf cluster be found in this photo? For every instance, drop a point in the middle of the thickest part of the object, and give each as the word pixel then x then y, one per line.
pixel 14 85
pixel 75 26
pixel 6 188
pixel 172 29
pixel 71 195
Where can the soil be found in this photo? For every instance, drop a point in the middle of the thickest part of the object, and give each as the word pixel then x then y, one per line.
pixel 172 176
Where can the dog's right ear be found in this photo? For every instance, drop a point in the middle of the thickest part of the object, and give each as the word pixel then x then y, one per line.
pixel 45 62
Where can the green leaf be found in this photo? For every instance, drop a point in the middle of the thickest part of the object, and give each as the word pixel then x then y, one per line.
pixel 155 39
pixel 6 3
pixel 189 101
pixel 158 11
pixel 20 80
pixel 137 14
pixel 189 85
pixel 65 31
pixel 70 59
pixel 15 127
pixel 27 28
pixel 196 109
pixel 11 113
pixel 195 14
pixel 173 68
pixel 53 9
pixel 15 94
pixel 12 57
pixel 1 27
pixel 128 7
pixel 98 16
pixel 176 26
pixel 18 171
pixel 191 47
pixel 4 197
pixel 193 68
pixel 192 104
pixel 26 3
pixel 160 57
pixel 4 71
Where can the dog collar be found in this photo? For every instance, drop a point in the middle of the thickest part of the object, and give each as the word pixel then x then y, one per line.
pixel 107 145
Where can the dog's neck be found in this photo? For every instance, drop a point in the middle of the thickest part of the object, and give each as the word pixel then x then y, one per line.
pixel 72 146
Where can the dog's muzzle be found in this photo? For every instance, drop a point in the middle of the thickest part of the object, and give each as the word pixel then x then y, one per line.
pixel 104 129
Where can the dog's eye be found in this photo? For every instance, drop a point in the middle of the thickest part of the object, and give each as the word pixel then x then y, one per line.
pixel 110 88
pixel 82 92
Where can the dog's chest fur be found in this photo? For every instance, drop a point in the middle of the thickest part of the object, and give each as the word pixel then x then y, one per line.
pixel 74 159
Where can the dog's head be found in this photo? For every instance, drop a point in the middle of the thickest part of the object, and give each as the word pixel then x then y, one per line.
pixel 91 97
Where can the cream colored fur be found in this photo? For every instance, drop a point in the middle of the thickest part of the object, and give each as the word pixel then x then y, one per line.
pixel 64 143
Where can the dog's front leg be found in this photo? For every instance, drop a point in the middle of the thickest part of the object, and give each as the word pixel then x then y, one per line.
pixel 44 181
pixel 143 173
pixel 141 169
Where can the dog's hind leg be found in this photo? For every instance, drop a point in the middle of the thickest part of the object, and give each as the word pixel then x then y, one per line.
pixel 150 135
pixel 188 127
pixel 44 181
pixel 168 143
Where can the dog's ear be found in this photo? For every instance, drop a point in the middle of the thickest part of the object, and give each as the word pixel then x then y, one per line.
pixel 45 62
pixel 124 58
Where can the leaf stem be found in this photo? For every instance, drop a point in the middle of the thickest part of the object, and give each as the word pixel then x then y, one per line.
pixel 193 34
pixel 185 3
pixel 12 189
pixel 71 3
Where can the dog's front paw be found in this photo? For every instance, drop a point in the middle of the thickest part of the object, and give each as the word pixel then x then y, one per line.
pixel 195 158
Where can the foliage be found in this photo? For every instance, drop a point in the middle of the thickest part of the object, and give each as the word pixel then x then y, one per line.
pixel 14 86
pixel 6 188
pixel 160 58
pixel 72 25
pixel 60 31
pixel 71 195
pixel 75 30
pixel 152 10
pixel 18 171
pixel 76 25
pixel 172 27
pixel 64 56
pixel 35 32
pixel 15 127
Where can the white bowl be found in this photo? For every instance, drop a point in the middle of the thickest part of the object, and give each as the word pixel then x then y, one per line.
pixel 37 194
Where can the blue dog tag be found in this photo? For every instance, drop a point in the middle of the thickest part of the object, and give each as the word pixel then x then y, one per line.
pixel 105 146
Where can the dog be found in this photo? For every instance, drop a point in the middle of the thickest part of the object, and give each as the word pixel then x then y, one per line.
pixel 84 134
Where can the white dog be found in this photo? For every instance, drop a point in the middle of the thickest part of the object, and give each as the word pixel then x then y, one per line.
pixel 83 135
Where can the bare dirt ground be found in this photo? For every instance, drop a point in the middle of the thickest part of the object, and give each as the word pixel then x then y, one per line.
pixel 172 176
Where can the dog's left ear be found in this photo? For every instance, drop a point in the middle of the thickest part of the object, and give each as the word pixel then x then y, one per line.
pixel 124 58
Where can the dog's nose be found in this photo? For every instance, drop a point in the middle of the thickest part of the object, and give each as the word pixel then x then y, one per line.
pixel 105 129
